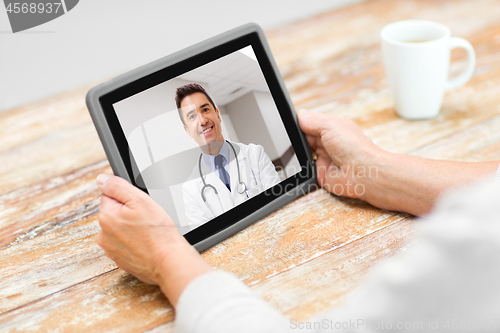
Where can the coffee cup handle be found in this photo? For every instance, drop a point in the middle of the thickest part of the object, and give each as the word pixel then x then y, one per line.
pixel 463 77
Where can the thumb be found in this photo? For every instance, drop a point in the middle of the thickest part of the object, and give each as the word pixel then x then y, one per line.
pixel 313 123
pixel 116 188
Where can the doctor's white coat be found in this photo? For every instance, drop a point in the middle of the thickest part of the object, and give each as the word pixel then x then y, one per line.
pixel 256 170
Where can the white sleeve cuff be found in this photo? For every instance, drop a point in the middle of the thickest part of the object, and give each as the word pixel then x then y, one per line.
pixel 497 176
pixel 217 302
pixel 203 293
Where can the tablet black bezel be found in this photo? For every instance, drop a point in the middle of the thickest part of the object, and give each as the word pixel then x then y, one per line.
pixel 236 214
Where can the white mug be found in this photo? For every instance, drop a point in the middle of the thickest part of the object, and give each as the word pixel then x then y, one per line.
pixel 416 57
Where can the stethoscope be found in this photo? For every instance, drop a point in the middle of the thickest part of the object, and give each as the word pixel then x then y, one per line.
pixel 241 188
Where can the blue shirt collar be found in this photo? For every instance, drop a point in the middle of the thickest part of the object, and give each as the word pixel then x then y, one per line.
pixel 210 159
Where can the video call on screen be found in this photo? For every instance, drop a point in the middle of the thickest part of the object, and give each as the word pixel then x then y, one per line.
pixel 244 123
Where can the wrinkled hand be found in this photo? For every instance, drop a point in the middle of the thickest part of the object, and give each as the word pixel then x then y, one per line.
pixel 136 232
pixel 344 154
pixel 142 239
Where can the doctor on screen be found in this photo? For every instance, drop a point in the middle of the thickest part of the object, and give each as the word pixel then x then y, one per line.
pixel 227 173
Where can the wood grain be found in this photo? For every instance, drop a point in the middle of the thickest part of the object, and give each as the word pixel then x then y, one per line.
pixel 327 281
pixel 118 301
pixel 480 142
pixel 302 258
pixel 313 225
pixel 112 302
pixel 51 262
pixel 317 223
pixel 48 205
pixel 60 152
pixel 32 122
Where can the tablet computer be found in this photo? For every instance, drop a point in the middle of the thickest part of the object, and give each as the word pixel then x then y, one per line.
pixel 210 133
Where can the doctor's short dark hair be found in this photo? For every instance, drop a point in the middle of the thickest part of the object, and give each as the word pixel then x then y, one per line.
pixel 186 90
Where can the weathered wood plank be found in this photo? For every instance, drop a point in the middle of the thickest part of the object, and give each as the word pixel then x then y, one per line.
pixel 315 224
pixel 60 152
pixel 34 121
pixel 326 281
pixel 112 302
pixel 39 208
pixel 116 301
pixel 50 263
pixel 474 144
pixel 461 109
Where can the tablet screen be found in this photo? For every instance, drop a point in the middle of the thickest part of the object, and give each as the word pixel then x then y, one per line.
pixel 208 140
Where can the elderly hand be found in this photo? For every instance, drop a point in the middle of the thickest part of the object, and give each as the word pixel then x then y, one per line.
pixel 143 240
pixel 349 164
pixel 345 156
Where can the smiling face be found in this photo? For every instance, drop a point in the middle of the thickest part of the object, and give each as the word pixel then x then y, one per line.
pixel 202 122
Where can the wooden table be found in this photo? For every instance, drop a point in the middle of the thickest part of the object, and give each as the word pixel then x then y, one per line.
pixel 303 258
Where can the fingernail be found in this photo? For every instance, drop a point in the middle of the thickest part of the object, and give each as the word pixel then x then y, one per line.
pixel 102 179
pixel 302 112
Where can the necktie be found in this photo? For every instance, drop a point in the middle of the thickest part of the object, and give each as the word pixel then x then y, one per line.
pixel 223 175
